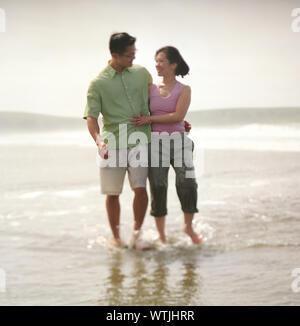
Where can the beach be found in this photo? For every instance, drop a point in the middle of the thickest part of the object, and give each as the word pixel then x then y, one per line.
pixel 54 234
pixel 228 68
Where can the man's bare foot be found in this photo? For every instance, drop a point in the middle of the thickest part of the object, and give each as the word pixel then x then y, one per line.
pixel 141 245
pixel 137 243
pixel 196 238
pixel 117 243
pixel 162 239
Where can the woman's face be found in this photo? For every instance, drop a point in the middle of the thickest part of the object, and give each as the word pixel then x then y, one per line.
pixel 163 65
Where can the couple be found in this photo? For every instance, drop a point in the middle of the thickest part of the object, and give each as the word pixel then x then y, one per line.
pixel 121 93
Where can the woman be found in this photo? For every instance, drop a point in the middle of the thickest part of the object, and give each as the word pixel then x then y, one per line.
pixel 169 103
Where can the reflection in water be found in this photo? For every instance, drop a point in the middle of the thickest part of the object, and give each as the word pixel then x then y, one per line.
pixel 161 291
pixel 152 278
pixel 114 280
pixel 141 282
pixel 189 282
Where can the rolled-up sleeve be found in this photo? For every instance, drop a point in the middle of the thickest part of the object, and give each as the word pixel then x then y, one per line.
pixel 93 105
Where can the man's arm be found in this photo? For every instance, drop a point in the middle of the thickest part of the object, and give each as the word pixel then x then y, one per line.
pixel 93 127
pixel 91 114
pixel 94 130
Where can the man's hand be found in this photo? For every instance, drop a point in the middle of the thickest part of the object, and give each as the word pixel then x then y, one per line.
pixel 103 150
pixel 187 126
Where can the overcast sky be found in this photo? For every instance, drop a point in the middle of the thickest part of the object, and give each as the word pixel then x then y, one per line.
pixel 241 53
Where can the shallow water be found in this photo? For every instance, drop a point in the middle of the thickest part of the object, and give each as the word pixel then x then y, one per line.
pixel 54 235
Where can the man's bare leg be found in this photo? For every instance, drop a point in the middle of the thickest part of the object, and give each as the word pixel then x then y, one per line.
pixel 188 228
pixel 113 213
pixel 140 204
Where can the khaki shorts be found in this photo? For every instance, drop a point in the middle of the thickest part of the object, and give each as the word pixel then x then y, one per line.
pixel 112 171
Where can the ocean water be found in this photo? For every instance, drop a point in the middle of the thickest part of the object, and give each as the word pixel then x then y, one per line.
pixel 54 234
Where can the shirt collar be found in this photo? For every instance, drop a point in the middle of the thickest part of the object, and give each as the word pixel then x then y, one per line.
pixel 112 72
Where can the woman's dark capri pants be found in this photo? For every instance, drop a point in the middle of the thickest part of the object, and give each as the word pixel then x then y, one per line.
pixel 175 150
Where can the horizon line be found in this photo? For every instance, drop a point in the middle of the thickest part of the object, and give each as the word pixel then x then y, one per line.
pixel 198 110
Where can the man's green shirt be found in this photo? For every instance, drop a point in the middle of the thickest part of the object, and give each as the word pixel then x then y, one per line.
pixel 119 96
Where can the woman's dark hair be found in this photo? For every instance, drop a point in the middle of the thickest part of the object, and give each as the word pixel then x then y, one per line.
pixel 173 56
pixel 119 42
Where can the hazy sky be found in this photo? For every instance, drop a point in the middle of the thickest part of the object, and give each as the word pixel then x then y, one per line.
pixel 241 53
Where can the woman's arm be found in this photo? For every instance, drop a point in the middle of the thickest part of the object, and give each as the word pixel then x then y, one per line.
pixel 182 106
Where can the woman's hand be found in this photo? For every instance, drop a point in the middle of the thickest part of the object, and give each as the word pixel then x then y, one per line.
pixel 140 120
pixel 187 126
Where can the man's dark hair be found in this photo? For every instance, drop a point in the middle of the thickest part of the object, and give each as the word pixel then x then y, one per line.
pixel 119 42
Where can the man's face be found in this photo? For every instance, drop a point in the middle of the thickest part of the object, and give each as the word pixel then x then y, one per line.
pixel 126 59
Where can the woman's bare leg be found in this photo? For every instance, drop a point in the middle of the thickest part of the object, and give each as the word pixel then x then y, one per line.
pixel 188 228
pixel 160 225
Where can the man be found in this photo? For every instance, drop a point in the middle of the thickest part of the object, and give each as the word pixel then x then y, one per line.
pixel 119 92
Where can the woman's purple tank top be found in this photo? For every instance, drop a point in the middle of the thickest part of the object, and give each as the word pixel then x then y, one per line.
pixel 163 105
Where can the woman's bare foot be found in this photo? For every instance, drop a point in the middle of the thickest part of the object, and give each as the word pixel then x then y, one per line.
pixel 196 238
